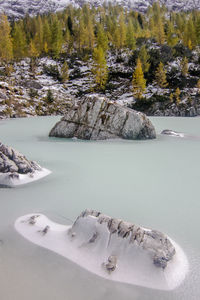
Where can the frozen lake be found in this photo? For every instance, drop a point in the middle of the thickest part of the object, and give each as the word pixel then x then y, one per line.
pixel 154 184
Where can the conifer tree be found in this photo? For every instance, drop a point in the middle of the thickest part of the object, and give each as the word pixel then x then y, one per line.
pixel 56 37
pixel 99 69
pixel 171 97
pixel 39 35
pixel 19 41
pixel 102 40
pixel 32 50
pixel 130 37
pixel 177 95
pixel 160 33
pixel 138 82
pixel 90 38
pixel 172 38
pixel 64 72
pixel 184 66
pixel 160 75
pixel 144 58
pixel 46 36
pixel 122 30
pixel 6 49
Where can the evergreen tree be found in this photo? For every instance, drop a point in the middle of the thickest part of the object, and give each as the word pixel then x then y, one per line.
pixel 64 72
pixel 90 38
pixel 184 66
pixel 102 40
pixel 138 82
pixel 130 37
pixel 99 68
pixel 122 30
pixel 6 49
pixel 144 58
pixel 19 41
pixel 160 33
pixel 46 36
pixel 171 97
pixel 160 75
pixel 177 95
pixel 172 38
pixel 33 52
pixel 56 38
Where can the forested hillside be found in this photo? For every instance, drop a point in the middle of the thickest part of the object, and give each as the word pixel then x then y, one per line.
pixel 154 57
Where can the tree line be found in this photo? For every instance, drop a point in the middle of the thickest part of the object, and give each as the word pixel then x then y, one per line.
pixel 93 31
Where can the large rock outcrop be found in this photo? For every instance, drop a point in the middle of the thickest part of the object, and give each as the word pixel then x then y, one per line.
pixel 95 118
pixel 16 169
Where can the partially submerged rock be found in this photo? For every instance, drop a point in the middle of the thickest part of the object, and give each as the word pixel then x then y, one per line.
pixel 16 169
pixel 158 245
pixel 172 133
pixel 111 248
pixel 95 118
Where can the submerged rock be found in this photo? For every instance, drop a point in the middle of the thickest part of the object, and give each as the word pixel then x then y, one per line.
pixel 95 118
pixel 16 169
pixel 172 133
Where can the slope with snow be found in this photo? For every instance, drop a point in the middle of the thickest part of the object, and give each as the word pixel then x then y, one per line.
pixel 19 8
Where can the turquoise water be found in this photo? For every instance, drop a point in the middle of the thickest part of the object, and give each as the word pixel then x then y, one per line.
pixel 151 183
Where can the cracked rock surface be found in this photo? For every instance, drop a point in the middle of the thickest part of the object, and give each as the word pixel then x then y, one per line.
pixel 95 118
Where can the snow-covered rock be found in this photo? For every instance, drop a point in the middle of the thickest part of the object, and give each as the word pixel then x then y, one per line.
pixel 16 169
pixel 111 248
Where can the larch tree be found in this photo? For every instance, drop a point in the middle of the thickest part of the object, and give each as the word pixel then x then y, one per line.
pixel 19 41
pixel 184 66
pixel 6 48
pixel 130 36
pixel 138 82
pixel 144 58
pixel 102 39
pixel 64 72
pixel 160 75
pixel 177 95
pixel 56 37
pixel 99 68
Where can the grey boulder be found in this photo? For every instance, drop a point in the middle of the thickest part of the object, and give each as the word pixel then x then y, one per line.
pixel 13 162
pixel 95 118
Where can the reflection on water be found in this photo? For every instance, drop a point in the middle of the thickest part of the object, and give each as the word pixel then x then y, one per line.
pixel 150 183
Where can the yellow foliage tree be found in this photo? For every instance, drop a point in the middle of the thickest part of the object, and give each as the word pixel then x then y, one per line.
pixel 138 82
pixel 6 49
pixel 177 95
pixel 161 79
pixel 99 68
pixel 184 66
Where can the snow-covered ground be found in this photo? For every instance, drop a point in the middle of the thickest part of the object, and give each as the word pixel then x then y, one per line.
pixel 8 180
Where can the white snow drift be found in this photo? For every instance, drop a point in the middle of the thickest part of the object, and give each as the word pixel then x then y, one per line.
pixel 111 248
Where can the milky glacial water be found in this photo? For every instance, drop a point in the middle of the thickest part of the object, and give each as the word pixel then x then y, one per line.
pixel 151 183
